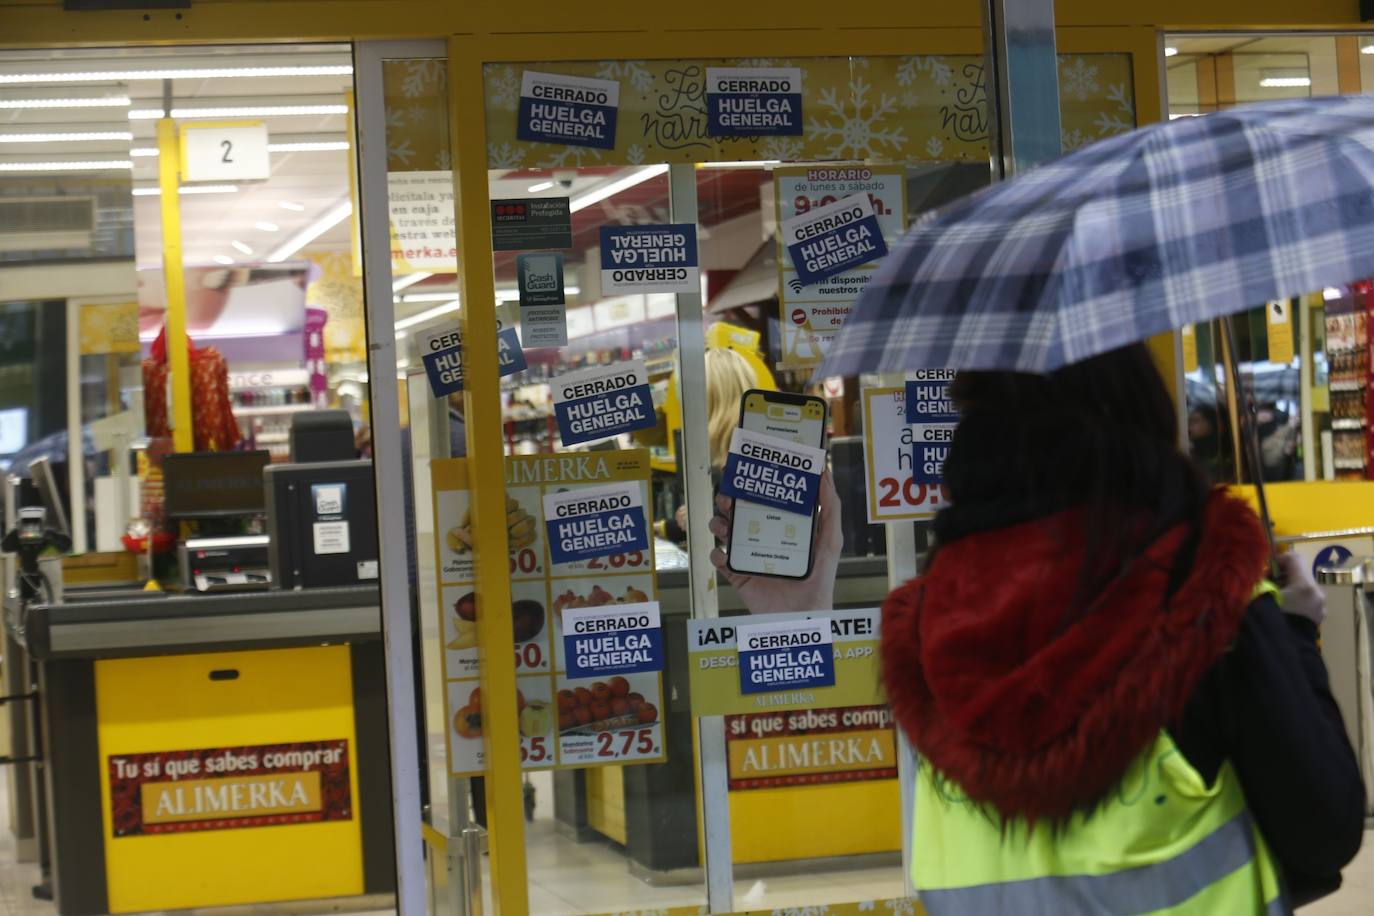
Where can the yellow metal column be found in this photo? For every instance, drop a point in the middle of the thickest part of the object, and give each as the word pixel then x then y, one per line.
pixel 178 358
pixel 486 475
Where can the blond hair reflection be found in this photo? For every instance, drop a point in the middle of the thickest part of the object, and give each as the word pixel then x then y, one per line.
pixel 728 376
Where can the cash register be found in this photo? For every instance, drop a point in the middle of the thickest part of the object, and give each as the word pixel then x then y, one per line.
pixel 222 492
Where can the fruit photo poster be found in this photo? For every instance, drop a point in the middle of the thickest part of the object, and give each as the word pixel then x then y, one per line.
pixel 564 721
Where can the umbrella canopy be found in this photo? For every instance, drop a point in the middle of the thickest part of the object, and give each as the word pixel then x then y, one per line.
pixel 1172 224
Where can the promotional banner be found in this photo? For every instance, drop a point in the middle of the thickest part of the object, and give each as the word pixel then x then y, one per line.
pixel 441 352
pixel 753 101
pixel 423 236
pixel 715 661
pixel 825 236
pixel 889 451
pixel 781 656
pixel 567 716
pixel 603 641
pixel 773 472
pixel 229 787
pixel 531 222
pixel 570 110
pixel 595 522
pixel 603 401
pixel 543 303
pixel 933 417
pixel 769 750
pixel 650 259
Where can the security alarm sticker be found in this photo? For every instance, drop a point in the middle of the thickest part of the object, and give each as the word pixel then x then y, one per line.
pixel 571 110
pixel 543 311
pixel 785 656
pixel 772 472
pixel 832 239
pixel 753 102
pixel 603 401
pixel 650 259
pixel 531 222
pixel 441 351
pixel 614 639
pixel 594 522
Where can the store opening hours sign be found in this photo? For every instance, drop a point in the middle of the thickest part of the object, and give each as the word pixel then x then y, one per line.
pixel 601 402
pixel 785 656
pixel 616 639
pixel 772 472
pixel 650 259
pixel 753 102
pixel 569 110
pixel 595 522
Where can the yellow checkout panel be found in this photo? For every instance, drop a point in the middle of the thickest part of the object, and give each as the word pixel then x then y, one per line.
pixel 212 750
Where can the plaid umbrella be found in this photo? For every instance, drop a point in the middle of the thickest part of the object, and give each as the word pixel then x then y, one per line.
pixel 1172 224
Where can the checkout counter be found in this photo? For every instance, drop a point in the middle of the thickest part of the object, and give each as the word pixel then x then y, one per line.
pixel 220 745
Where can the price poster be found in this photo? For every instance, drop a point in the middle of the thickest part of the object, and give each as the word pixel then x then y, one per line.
pixel 894 494
pixel 838 241
pixel 608 707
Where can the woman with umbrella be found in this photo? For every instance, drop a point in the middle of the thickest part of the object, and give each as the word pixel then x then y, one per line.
pixel 1115 711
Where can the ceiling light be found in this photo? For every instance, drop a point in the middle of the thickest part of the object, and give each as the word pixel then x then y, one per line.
pixel 291 205
pixel 1367 49
pixel 267 227
pixel 408 279
pixel 190 189
pixel 427 297
pixel 747 164
pixel 94 165
pixel 542 186
pixel 1285 82
pixel 223 259
pixel 240 247
pixel 1170 52
pixel 612 188
pixel 1330 294
pixel 71 137
pixel 340 212
pixel 119 76
pixel 321 146
pixel 257 111
pixel 139 152
pixel 427 314
pixel 107 101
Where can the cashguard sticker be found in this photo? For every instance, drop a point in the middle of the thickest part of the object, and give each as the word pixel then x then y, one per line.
pixel 753 101
pixel 568 110
pixel 614 639
pixel 543 302
pixel 605 401
pixel 773 472
pixel 593 522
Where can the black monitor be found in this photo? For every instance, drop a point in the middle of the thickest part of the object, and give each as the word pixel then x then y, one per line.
pixel 322 435
pixel 214 484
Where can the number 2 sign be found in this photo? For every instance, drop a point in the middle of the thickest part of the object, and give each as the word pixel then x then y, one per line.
pixel 225 151
pixel 893 493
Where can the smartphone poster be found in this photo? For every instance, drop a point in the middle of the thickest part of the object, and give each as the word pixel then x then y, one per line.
pixel 784 656
pixel 603 401
pixel 614 639
pixel 592 522
pixel 771 472
pixel 569 110
pixel 814 302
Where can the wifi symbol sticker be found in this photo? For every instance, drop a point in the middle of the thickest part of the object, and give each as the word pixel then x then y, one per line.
pixel 795 284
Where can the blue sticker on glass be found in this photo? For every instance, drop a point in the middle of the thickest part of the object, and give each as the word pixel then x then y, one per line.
pixel 620 639
pixel 753 102
pixel 829 240
pixel 594 522
pixel 606 401
pixel 773 472
pixel 650 259
pixel 1332 555
pixel 510 357
pixel 930 448
pixel 441 351
pixel 927 397
pixel 568 110
pixel 785 656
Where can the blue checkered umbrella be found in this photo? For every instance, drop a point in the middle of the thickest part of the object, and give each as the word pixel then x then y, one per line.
pixel 1169 225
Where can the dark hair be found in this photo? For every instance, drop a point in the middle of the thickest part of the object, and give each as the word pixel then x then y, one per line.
pixel 1101 434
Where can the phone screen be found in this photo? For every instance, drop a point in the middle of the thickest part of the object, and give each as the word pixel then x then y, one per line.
pixel 764 540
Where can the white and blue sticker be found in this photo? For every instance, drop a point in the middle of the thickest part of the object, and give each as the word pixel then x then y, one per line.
pixel 927 397
pixel 1331 555
pixel 753 102
pixel 569 110
pixel 604 401
pixel 650 259
pixel 788 655
pixel 930 448
pixel 829 240
pixel 615 639
pixel 510 356
pixel 773 472
pixel 543 312
pixel 595 522
pixel 441 351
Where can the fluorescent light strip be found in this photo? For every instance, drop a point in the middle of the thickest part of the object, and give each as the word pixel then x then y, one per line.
pixel 267 227
pixel 74 137
pixel 262 111
pixel 408 279
pixel 427 314
pixel 190 189
pixel 319 146
pixel 94 165
pixel 340 212
pixel 596 195
pixel 291 205
pixel 116 76
pixel 1367 49
pixel 1286 82
pixel 223 259
pixel 747 164
pixel 1170 52
pixel 240 247
pixel 1331 294
pixel 111 101
pixel 542 186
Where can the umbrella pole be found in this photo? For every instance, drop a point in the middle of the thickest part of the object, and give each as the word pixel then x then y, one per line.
pixel 1249 437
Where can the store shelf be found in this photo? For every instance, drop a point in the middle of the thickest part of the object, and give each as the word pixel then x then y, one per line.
pixel 269 410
